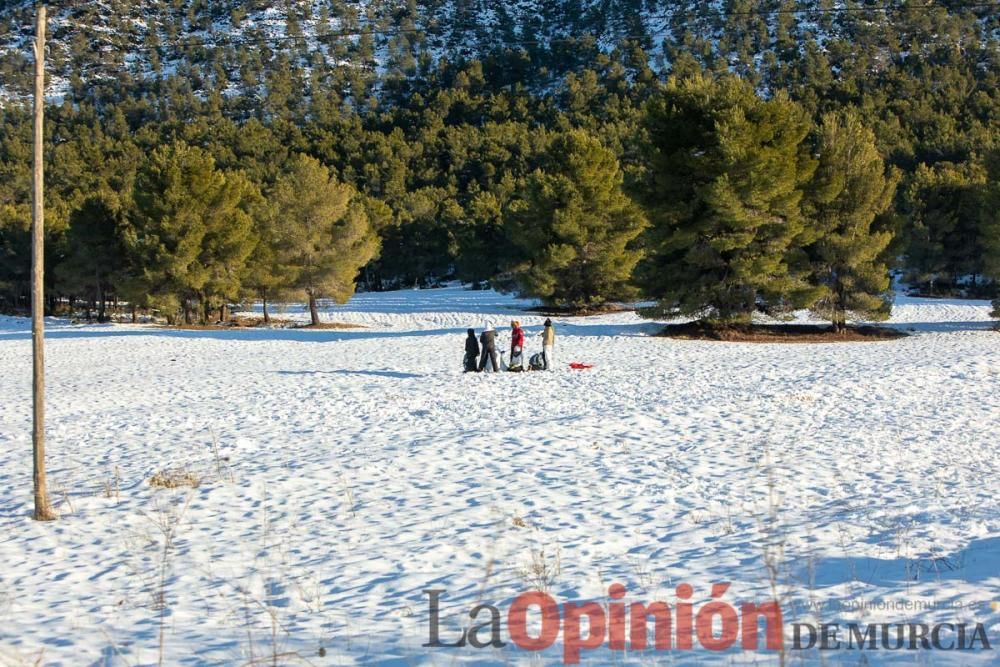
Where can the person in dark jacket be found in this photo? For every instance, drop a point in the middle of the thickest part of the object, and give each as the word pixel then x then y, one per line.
pixel 489 349
pixel 471 352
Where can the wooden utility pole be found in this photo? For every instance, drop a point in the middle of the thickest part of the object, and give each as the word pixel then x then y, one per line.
pixel 43 511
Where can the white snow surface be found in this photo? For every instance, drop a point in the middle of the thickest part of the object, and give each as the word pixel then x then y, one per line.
pixel 357 468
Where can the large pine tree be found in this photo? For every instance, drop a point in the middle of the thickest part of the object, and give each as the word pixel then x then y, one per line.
pixel 724 177
pixel 322 231
pixel 267 274
pixel 850 189
pixel 942 206
pixel 95 255
pixel 190 234
pixel 990 224
pixel 575 228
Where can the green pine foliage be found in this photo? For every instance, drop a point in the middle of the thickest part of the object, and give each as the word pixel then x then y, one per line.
pixel 322 231
pixel 990 223
pixel 850 189
pixel 724 182
pixel 267 273
pixel 941 204
pixel 439 128
pixel 190 232
pixel 574 228
pixel 95 255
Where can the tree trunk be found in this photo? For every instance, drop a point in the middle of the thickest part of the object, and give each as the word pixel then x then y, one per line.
pixel 135 314
pixel 43 510
pixel 99 296
pixel 101 304
pixel 267 318
pixel 187 311
pixel 840 308
pixel 206 311
pixel 313 311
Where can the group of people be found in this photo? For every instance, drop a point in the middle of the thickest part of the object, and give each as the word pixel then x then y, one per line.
pixel 482 352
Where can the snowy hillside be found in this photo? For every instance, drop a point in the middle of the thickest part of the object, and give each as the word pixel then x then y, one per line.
pixel 100 41
pixel 215 45
pixel 354 469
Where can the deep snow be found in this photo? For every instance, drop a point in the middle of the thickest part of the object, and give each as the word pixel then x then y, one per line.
pixel 359 467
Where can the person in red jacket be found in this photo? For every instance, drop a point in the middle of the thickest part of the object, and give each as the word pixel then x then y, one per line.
pixel 516 345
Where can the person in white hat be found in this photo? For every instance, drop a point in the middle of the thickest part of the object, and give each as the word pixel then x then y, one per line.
pixel 488 343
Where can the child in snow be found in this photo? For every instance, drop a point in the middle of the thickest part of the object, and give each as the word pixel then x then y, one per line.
pixel 548 342
pixel 489 351
pixel 516 345
pixel 471 351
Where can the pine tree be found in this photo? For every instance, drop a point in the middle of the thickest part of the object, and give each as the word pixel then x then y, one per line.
pixel 942 205
pixel 190 233
pixel 95 261
pixel 323 231
pixel 723 184
pixel 575 227
pixel 228 243
pixel 15 264
pixel 267 274
pixel 849 190
pixel 420 247
pixel 989 224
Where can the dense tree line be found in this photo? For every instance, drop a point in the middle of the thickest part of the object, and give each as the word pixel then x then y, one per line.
pixel 750 161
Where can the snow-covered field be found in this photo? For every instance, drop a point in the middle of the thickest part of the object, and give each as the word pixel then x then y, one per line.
pixel 358 468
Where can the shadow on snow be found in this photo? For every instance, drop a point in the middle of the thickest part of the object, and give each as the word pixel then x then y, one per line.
pixel 374 373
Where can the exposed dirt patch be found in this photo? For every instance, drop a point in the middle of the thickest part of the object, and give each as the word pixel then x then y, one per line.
pixel 329 325
pixel 258 322
pixel 565 311
pixel 779 333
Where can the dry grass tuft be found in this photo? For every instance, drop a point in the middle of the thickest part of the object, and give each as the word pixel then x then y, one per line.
pixel 175 479
pixel 542 570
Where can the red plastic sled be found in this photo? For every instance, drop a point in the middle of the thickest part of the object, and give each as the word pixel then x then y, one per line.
pixel 577 366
